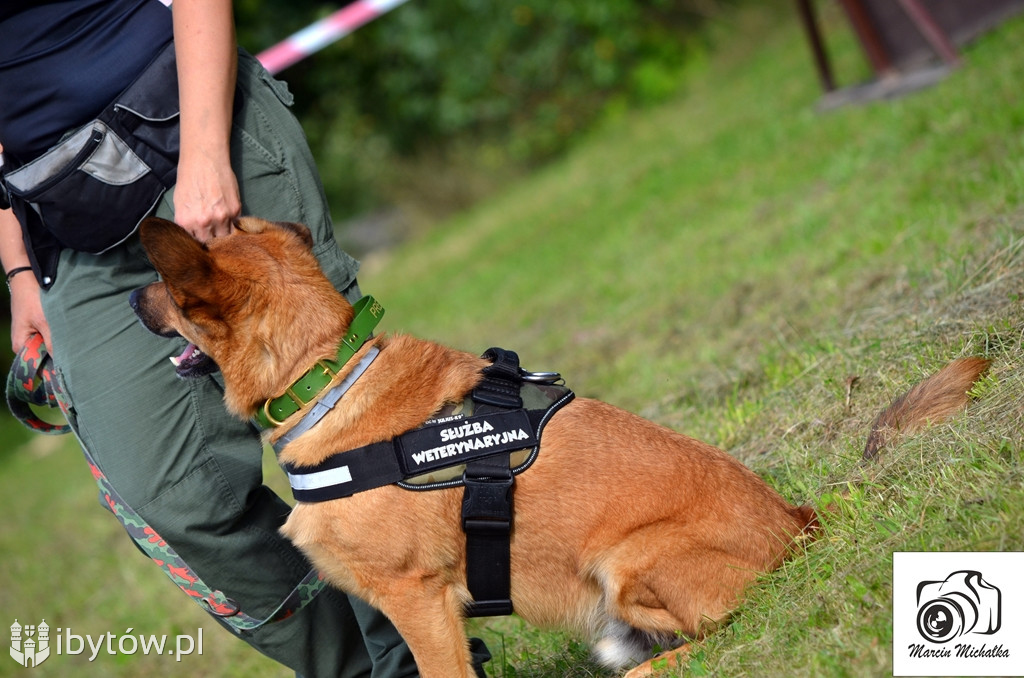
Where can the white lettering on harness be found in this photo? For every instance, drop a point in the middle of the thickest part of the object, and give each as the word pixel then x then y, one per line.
pixel 470 429
pixel 480 442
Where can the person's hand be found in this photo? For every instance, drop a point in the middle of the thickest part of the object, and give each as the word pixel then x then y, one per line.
pixel 206 198
pixel 27 312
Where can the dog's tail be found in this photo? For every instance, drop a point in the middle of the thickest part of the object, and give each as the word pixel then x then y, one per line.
pixel 931 401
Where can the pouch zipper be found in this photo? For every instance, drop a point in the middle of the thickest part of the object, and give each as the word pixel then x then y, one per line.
pixel 95 139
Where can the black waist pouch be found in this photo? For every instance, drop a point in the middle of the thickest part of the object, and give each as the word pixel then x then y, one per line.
pixel 92 189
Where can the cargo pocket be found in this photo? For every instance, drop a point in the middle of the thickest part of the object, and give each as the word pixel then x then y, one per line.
pixel 339 267
pixel 260 157
pixel 278 87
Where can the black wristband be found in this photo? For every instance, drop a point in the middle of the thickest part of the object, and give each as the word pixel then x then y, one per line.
pixel 15 271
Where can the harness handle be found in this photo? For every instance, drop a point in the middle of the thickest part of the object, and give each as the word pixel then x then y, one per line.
pixel 502 379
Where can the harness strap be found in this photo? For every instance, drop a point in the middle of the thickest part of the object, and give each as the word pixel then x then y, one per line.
pixel 487 499
pixel 487 522
pixel 414 453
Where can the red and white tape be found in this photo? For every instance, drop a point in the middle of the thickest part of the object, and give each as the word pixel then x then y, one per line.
pixel 318 35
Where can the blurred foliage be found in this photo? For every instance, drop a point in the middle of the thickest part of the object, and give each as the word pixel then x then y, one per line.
pixel 425 103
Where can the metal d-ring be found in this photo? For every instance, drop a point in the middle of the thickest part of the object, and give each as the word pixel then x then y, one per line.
pixel 539 377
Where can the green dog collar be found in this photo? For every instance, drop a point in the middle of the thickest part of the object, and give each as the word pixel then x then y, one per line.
pixel 306 388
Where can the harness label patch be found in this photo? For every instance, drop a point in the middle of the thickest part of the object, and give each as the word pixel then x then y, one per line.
pixel 448 443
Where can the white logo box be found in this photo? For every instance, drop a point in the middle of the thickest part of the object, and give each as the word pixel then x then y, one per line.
pixel 958 614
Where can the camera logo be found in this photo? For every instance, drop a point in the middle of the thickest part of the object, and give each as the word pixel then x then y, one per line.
pixel 962 603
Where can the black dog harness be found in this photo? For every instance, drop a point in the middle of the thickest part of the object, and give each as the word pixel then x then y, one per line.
pixel 480 444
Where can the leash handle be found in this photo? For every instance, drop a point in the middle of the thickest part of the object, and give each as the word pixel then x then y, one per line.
pixel 33 381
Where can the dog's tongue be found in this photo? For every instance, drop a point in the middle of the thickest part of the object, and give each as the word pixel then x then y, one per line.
pixel 189 351
pixel 193 363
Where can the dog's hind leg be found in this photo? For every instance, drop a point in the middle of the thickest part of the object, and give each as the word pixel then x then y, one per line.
pixel 662 589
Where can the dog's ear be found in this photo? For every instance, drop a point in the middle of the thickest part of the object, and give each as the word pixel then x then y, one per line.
pixel 181 260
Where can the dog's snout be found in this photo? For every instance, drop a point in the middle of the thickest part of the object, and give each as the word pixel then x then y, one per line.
pixel 133 299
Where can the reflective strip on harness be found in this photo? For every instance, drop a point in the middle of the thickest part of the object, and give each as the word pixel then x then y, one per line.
pixel 321 479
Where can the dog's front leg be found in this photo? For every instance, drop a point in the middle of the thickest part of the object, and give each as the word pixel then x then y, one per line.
pixel 428 614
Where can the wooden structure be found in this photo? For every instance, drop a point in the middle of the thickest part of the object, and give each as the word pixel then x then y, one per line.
pixel 909 43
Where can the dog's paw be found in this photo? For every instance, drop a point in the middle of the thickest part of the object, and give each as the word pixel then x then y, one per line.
pixel 663 662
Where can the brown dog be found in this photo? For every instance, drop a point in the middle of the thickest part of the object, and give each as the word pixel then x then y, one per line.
pixel 627 532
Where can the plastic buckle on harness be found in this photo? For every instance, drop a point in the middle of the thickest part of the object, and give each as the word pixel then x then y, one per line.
pixel 487 522
pixel 487 505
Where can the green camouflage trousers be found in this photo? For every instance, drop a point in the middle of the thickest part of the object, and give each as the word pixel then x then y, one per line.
pixel 182 474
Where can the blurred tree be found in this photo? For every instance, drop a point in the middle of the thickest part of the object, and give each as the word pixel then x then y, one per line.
pixel 464 87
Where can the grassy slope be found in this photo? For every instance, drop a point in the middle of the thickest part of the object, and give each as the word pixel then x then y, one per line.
pixel 720 264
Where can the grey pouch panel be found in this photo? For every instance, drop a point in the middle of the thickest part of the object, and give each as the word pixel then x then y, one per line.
pixel 48 167
pixel 114 163
pixel 93 149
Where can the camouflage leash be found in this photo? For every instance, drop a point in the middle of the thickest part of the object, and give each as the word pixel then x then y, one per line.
pixel 32 382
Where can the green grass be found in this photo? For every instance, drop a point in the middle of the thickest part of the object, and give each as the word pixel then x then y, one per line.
pixel 722 264
pixel 66 560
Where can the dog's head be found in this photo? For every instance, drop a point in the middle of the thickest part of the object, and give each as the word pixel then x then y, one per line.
pixel 254 304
